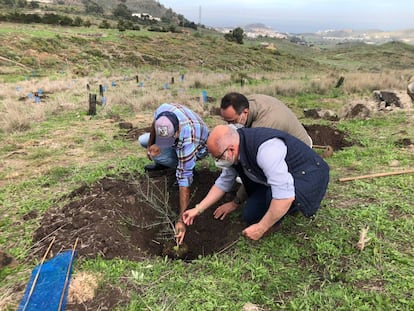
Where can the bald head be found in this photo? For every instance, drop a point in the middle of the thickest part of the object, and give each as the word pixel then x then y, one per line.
pixel 222 137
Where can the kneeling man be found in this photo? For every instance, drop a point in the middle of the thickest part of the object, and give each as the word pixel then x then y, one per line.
pixel 281 175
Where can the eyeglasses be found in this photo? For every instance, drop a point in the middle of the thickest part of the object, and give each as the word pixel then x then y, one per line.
pixel 221 155
pixel 237 120
pixel 233 121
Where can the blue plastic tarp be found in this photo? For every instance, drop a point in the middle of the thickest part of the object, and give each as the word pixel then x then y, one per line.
pixel 50 283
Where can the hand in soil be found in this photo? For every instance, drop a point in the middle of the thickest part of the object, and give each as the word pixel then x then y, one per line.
pixel 175 251
pixel 254 232
pixel 180 232
pixel 223 210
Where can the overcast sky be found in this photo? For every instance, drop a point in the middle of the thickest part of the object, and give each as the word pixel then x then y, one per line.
pixel 299 16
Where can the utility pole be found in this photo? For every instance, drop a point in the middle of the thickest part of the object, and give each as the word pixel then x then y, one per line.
pixel 199 15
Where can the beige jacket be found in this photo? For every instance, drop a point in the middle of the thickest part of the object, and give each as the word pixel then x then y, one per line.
pixel 267 111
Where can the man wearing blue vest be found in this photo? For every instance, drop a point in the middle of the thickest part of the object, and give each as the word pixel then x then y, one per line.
pixel 281 175
pixel 259 110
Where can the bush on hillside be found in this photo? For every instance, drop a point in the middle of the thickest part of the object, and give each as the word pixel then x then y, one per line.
pixel 236 35
pixel 104 24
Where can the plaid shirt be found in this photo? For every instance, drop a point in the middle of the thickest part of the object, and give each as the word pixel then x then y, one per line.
pixel 193 134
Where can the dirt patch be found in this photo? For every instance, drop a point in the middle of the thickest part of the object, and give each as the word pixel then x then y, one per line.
pixel 106 298
pixel 132 218
pixel 6 260
pixel 131 134
pixel 324 135
pixel 404 142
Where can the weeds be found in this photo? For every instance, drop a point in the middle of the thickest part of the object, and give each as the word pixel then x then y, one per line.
pixel 157 196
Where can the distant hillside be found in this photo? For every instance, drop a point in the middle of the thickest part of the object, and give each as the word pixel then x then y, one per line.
pixel 256 30
pixel 367 36
pixel 328 37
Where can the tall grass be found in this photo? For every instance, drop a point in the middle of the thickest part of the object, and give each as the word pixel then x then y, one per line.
pixel 290 84
pixel 20 116
pixel 18 112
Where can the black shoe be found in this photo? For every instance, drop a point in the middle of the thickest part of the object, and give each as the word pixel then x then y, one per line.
pixel 195 174
pixel 154 167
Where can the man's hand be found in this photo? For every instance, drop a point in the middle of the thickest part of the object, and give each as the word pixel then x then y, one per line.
pixel 149 154
pixel 277 209
pixel 254 232
pixel 223 210
pixel 153 151
pixel 179 232
pixel 189 215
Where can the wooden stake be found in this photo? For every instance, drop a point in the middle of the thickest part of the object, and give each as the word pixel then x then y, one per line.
pixel 377 175
pixel 67 275
pixel 37 274
pixel 319 147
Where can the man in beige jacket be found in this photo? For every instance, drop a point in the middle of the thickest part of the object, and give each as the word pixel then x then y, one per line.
pixel 258 110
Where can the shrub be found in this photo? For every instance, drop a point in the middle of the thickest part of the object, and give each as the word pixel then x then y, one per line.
pixel 104 24
pixel 236 35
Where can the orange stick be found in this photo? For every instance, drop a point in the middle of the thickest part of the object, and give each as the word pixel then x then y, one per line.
pixel 377 175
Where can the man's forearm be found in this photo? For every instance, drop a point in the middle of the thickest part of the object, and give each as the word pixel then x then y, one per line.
pixel 277 209
pixel 184 199
pixel 151 139
pixel 212 197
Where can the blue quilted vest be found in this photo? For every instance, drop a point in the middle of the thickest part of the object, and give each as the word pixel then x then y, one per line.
pixel 310 172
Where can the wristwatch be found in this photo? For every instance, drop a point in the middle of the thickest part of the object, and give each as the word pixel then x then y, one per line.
pixel 237 200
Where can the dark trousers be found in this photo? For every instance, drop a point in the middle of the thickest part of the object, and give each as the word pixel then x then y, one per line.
pixel 258 203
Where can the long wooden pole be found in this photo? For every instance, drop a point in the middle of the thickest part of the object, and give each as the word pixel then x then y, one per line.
pixel 377 175
pixel 37 274
pixel 67 275
pixel 319 147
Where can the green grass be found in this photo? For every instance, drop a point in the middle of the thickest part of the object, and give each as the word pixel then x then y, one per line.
pixel 312 264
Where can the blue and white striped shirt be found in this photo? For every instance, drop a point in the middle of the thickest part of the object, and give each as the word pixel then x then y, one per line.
pixel 193 134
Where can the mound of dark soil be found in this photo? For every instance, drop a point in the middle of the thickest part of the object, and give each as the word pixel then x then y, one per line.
pixel 133 218
pixel 404 142
pixel 324 135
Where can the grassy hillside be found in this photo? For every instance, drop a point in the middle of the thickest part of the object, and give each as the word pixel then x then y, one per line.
pixel 365 57
pixel 82 51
